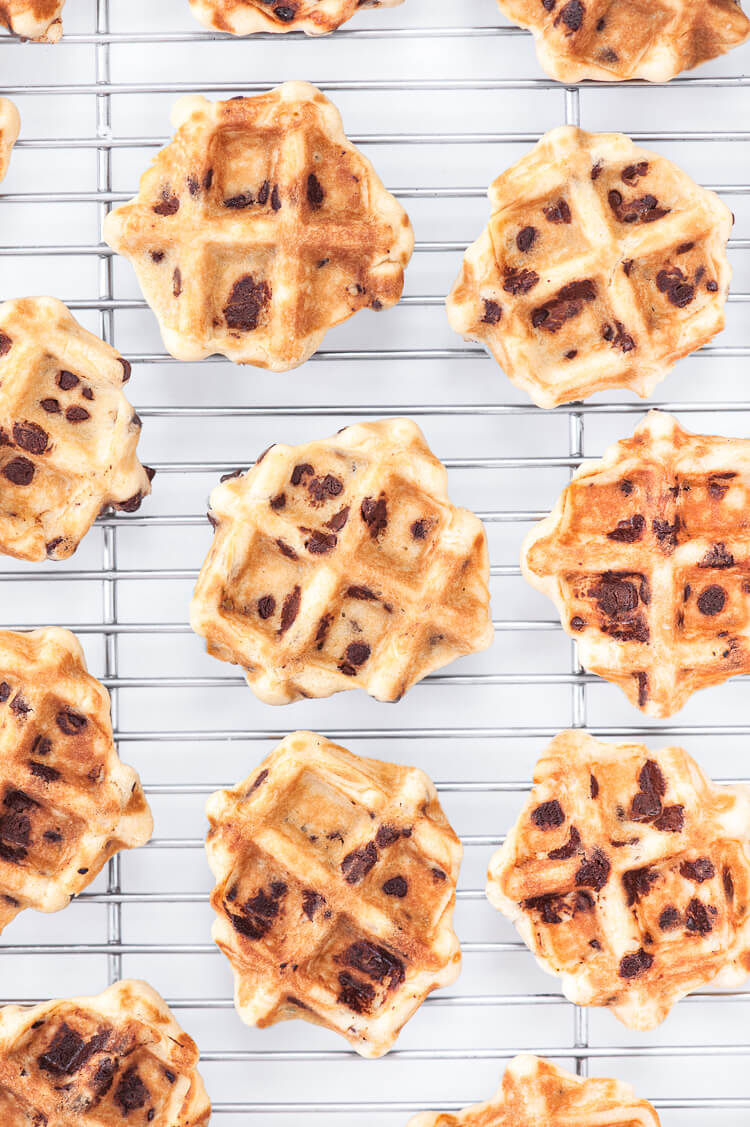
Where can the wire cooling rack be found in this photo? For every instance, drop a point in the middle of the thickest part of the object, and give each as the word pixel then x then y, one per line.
pixel 442 95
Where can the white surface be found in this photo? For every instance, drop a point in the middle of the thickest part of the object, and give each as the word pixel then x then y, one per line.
pixel 450 1054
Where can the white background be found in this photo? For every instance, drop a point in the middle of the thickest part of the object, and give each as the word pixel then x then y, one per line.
pixel 486 719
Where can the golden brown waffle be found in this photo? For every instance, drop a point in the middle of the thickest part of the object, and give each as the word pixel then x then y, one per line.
pixel 614 40
pixel 259 228
pixel 601 266
pixel 67 803
pixel 628 874
pixel 535 1093
pixel 646 556
pixel 68 435
pixel 342 564
pixel 314 17
pixel 40 20
pixel 336 883
pixel 10 125
pixel 115 1060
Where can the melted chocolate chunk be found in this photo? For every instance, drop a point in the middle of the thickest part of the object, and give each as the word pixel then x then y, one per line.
pixel 42 771
pixel 646 804
pixel 247 303
pixel 493 311
pixel 567 304
pixel 526 238
pixel 315 193
pixel 68 1051
pixel 554 907
pixel 548 815
pixel 699 870
pixel 259 913
pixel 569 849
pixel 594 871
pixel 304 469
pixel 323 627
pixel 321 543
pixel 637 883
pixel 593 786
pixel 290 609
pixel 717 556
pixel 577 623
pixel 30 437
pixel 241 201
pixel 70 722
pixel 266 606
pixel 396 886
pixel 5 344
pixel 67 381
pixel 169 204
pixel 673 282
pixel 131 1093
pixel 363 593
pixel 629 530
pixel 375 514
pixel 697 918
pixel 558 213
pixel 51 406
pixel 712 600
pixel 633 171
pixel 19 471
pixel 376 962
pixel 357 653
pixel 357 864
pixel 671 819
pixel 631 966
pixel 261 778
pixel 643 210
pixel 571 15
pixel 355 994
pixel 728 883
pixel 666 534
pixel 670 918
pixel 616 597
pixel 520 281
pixel 77 414
pixel 386 835
pixel 311 901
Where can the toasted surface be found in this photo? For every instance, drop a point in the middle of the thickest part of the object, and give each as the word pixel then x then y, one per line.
pixel 33 19
pixel 67 803
pixel 646 556
pixel 628 874
pixel 336 883
pixel 314 17
pixel 602 264
pixel 259 228
pixel 614 40
pixel 68 435
pixel 535 1093
pixel 342 564
pixel 115 1060
pixel 10 125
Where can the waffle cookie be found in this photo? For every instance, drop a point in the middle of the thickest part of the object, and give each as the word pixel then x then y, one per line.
pixel 336 883
pixel 601 266
pixel 614 40
pixel 67 803
pixel 342 564
pixel 10 125
pixel 115 1060
pixel 40 20
pixel 68 435
pixel 314 17
pixel 259 228
pixel 535 1093
pixel 628 875
pixel 646 556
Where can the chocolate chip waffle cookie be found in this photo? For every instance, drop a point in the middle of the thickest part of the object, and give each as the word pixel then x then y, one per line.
pixel 628 874
pixel 261 227
pixel 68 435
pixel 646 556
pixel 314 17
pixel 614 40
pixel 342 564
pixel 535 1093
pixel 336 882
pixel 40 20
pixel 601 266
pixel 10 125
pixel 116 1060
pixel 67 803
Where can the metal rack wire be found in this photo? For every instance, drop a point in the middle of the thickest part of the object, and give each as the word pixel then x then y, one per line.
pixel 475 1027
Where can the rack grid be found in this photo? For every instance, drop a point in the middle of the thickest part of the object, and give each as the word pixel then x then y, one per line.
pixel 472 99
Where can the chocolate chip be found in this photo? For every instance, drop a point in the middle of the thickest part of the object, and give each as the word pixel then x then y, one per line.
pixel 375 515
pixel 375 961
pixel 41 745
pixel 275 198
pixel 321 543
pixel 237 203
pixel 338 520
pixel 631 966
pixel 315 193
pixel 311 901
pixel 596 170
pixel 577 623
pixel 712 600
pixel 51 406
pixel 69 722
pixel 208 179
pixel 357 653
pixel 548 816
pixel 4 691
pixel 386 835
pixel 594 871
pixel 718 556
pixel 177 282
pixel 19 706
pixel 396 886
pixel 259 780
pixel 571 354
pixel 526 238
pixel 683 248
pixel 637 883
pixel 569 849
pixel 156 255
pixel 671 820
pixel 247 302
pixel 669 919
pixel 728 883
pixel 627 267
pixel 290 609
pixel 567 304
pixel 68 1051
pixel 571 15
pixel 492 312
pixel 699 870
pixel 259 912
pixel 697 918
pixel 286 550
pixel 323 627
pixel 593 786
pixel 67 381
pixel 30 437
pixel 77 414
pixel 265 191
pixel 666 533
pixel 633 171
pixel 5 344
pixel 87 393
pixel 304 469
pixel 628 530
pixel 266 606
pixel 169 204
pixel 131 1093
pixel 278 502
pixel 357 864
pixel 672 282
pixel 42 771
pixel 646 804
pixel 559 212
pixel 285 13
pixel 520 281
pixel 615 596
pixel 712 286
pixel 19 471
